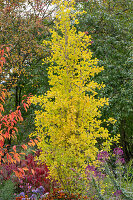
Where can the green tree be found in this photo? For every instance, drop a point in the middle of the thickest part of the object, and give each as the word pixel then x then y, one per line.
pixel 110 24
pixel 24 29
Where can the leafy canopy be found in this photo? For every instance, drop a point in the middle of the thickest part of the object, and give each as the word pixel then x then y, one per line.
pixel 68 124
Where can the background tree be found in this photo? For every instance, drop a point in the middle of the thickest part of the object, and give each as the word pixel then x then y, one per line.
pixel 23 26
pixel 110 24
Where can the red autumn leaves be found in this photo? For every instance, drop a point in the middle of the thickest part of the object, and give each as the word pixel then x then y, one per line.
pixel 9 121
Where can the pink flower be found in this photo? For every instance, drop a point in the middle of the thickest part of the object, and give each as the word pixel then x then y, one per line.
pixel 118 151
pixel 117 193
pixel 103 156
pixel 91 42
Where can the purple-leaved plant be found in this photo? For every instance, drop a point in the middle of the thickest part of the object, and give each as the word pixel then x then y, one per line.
pixel 119 153
pixel 103 156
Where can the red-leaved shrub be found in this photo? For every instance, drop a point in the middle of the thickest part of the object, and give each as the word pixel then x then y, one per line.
pixel 35 176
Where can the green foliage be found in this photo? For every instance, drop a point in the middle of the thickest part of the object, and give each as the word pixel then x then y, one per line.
pixel 7 190
pixel 108 181
pixel 97 189
pixel 119 184
pixel 129 173
pixel 118 177
pixel 110 24
pixel 113 185
pixel 22 32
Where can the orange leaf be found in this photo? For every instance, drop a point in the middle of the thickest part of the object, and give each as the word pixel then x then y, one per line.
pixel 1 107
pixel 6 135
pixel 1 152
pixel 3 59
pixel 23 96
pixel 16 156
pixel 25 105
pixel 33 172
pixel 14 148
pixel 2 52
pixel 16 129
pixel 1 137
pixel 24 146
pixel 9 158
pixel 1 143
pixel 22 153
pixel 21 170
pixel 18 174
pixel 18 107
pixel 8 49
pixel 25 168
pixel 36 141
pixel 31 143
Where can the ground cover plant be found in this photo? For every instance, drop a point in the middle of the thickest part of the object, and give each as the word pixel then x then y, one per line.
pixel 111 180
pixel 105 182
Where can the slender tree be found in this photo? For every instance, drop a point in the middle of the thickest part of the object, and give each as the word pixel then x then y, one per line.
pixel 68 124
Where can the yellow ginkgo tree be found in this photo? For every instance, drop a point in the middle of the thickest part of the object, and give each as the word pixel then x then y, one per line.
pixel 69 124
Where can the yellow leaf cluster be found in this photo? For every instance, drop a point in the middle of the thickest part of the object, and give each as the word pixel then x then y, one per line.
pixel 68 123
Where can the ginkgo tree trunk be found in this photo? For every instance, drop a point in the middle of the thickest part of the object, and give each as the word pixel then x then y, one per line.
pixel 68 123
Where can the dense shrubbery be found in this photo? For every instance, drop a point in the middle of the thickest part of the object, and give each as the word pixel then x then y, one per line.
pixel 112 179
pixel 35 175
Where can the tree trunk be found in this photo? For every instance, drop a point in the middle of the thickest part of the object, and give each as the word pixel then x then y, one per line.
pixel 16 97
pixel 20 90
pixel 124 142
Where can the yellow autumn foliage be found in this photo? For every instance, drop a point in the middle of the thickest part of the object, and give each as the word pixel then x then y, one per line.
pixel 68 124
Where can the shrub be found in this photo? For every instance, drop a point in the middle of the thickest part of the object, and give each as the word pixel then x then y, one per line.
pixel 7 189
pixel 108 180
pixel 35 176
